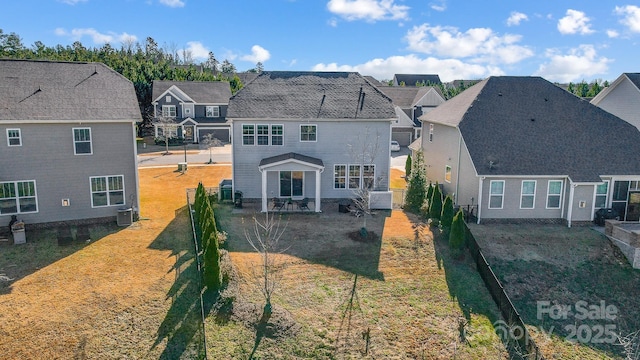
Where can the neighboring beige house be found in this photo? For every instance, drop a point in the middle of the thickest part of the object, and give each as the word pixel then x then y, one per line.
pixel 622 98
pixel 522 149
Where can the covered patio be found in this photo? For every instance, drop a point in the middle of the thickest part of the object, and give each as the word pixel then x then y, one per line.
pixel 291 181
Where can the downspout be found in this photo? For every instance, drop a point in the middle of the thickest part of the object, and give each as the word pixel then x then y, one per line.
pixel 570 209
pixel 480 198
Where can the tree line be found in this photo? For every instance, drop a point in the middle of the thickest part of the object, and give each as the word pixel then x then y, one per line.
pixel 140 63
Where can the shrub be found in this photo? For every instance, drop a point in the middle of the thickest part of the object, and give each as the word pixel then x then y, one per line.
pixel 447 213
pixel 415 196
pixel 457 234
pixel 435 205
pixel 407 167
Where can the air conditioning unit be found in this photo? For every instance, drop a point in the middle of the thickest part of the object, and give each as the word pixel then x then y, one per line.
pixel 125 217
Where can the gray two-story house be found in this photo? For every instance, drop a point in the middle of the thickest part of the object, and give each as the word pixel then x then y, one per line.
pixel 315 135
pixel 197 107
pixel 522 148
pixel 68 153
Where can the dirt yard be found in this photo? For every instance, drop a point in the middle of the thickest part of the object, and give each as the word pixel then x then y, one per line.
pixel 556 265
pixel 125 294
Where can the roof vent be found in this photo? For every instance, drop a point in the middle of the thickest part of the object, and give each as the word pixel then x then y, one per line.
pixel 500 93
pixel 532 119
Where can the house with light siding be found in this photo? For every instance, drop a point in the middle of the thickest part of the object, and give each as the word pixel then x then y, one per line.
pixel 523 149
pixel 68 153
pixel 622 98
pixel 315 135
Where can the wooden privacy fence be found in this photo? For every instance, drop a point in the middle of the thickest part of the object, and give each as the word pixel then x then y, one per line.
pixel 512 330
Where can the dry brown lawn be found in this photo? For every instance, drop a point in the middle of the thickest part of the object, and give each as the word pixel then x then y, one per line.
pixel 114 297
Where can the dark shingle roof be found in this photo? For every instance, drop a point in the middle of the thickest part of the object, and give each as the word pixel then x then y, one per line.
pixel 49 90
pixel 412 79
pixel 528 126
pixel 635 79
pixel 310 95
pixel 246 77
pixel 202 92
pixel 291 156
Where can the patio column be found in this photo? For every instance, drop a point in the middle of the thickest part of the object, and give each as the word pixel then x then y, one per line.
pixel 264 190
pixel 570 209
pixel 318 199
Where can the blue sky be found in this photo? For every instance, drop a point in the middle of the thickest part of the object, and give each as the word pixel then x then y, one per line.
pixel 561 40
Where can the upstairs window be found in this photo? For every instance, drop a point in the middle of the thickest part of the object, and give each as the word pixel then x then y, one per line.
pixel 263 134
pixel 447 173
pixel 277 135
pixel 430 132
pixel 248 135
pixel 308 132
pixel 82 141
pixel 528 194
pixel 13 137
pixel 168 110
pixel 212 111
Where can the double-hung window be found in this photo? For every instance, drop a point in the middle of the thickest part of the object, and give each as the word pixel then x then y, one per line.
pixel 554 194
pixel 263 134
pixel 13 137
pixel 340 176
pixel 447 173
pixel 496 194
pixel 308 133
pixel 430 132
pixel 354 176
pixel 277 135
pixel 212 111
pixel 169 111
pixel 248 135
pixel 368 176
pixel 107 190
pixel 82 141
pixel 528 194
pixel 18 197
pixel 601 195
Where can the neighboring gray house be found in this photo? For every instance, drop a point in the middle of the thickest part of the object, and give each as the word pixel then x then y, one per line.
pixel 199 108
pixel 523 148
pixel 316 135
pixel 622 98
pixel 410 104
pixel 415 79
pixel 69 151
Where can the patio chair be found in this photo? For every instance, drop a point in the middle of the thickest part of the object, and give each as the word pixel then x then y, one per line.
pixel 278 204
pixel 304 204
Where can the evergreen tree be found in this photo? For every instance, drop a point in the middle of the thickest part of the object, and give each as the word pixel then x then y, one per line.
pixel 427 203
pixel 457 235
pixel 447 212
pixel 435 205
pixel 415 196
pixel 407 167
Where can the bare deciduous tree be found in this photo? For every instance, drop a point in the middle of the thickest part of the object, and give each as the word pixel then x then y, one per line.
pixel 264 238
pixel 166 123
pixel 209 141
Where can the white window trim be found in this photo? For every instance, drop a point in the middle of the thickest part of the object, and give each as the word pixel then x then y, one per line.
pixel 559 195
pixel 447 167
pixel 213 111
pixel 300 133
pixel 258 135
pixel 346 177
pixel 73 136
pixel 19 137
pixel 243 135
pixel 271 134
pixel 293 197
pixel 606 195
pixel 522 195
pixel 360 177
pixel 106 177
pixel 15 188
pixel 168 113
pixel 501 195
pixel 430 132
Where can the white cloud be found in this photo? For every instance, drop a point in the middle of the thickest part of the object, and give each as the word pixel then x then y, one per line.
pixel 631 16
pixel 439 5
pixel 197 50
pixel 579 63
pixel 369 10
pixel 515 18
pixel 258 54
pixel 612 33
pixel 479 44
pixel 574 22
pixel 71 2
pixel 96 37
pixel 447 69
pixel 333 22
pixel 172 3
